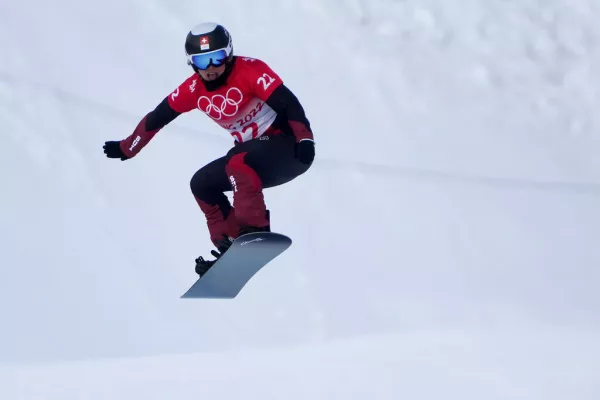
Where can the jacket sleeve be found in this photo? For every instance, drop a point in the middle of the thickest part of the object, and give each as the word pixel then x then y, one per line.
pixel 284 102
pixel 149 126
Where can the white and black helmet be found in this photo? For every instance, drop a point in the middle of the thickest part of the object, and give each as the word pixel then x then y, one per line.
pixel 208 44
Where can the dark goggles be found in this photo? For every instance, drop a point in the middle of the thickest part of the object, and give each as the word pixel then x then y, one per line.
pixel 204 60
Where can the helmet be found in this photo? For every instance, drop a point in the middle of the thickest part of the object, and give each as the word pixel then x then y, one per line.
pixel 208 44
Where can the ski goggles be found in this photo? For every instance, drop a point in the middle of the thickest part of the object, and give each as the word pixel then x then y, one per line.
pixel 204 60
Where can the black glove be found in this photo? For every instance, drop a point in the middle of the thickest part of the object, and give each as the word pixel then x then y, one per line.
pixel 305 151
pixel 113 150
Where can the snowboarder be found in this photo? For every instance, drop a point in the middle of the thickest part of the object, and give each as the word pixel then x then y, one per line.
pixel 273 140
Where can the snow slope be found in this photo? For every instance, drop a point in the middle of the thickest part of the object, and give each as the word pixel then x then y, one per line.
pixel 445 241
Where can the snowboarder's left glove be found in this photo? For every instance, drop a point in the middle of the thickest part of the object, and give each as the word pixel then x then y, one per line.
pixel 113 150
pixel 305 151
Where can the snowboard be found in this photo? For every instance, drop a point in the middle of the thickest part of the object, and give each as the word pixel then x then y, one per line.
pixel 232 271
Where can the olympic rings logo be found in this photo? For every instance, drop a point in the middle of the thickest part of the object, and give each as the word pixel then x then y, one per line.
pixel 219 105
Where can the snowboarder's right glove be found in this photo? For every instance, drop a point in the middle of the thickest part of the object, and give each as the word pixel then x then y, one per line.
pixel 113 150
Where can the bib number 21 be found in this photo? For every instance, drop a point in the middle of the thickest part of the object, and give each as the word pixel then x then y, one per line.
pixel 266 80
pixel 253 128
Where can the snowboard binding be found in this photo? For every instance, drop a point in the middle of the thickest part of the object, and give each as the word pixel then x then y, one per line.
pixel 202 265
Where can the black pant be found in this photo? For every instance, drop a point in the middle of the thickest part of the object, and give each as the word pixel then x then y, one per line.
pixel 246 169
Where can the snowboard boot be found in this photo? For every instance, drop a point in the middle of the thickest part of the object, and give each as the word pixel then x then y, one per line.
pixel 252 229
pixel 202 265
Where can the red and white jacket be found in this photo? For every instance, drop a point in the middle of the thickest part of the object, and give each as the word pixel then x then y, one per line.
pixel 250 101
